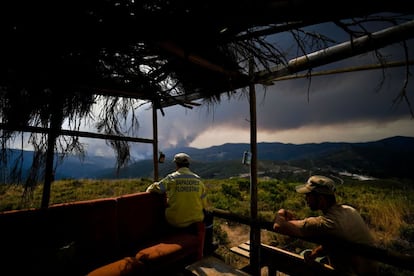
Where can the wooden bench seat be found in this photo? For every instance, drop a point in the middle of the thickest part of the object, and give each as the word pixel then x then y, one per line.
pixel 213 266
pixel 80 237
pixel 277 259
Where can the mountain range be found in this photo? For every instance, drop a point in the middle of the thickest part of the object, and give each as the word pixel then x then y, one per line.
pixel 391 157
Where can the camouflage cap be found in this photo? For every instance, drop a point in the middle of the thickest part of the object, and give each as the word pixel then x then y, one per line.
pixel 182 158
pixel 318 184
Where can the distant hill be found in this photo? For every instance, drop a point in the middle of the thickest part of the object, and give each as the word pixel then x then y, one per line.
pixel 71 167
pixel 391 157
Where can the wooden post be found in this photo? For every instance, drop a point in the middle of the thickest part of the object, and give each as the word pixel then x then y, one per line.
pixel 254 229
pixel 55 126
pixel 48 169
pixel 155 140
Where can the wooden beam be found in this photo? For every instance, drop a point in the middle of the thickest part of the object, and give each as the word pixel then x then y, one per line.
pixel 348 70
pixel 338 52
pixel 76 133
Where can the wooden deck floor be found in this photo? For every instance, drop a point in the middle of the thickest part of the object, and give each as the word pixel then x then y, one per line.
pixel 213 266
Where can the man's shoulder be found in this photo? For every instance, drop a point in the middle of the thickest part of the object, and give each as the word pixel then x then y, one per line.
pixel 185 170
pixel 342 210
pixel 346 206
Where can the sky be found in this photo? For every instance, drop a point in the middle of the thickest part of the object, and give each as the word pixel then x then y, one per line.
pixel 346 108
pixel 349 107
pixel 359 106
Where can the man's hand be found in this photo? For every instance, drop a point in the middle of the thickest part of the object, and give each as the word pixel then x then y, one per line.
pixel 281 218
pixel 285 214
pixel 286 223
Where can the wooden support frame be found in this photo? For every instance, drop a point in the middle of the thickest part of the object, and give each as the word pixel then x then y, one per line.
pixel 155 141
pixel 383 255
pixel 55 131
pixel 277 259
pixel 254 230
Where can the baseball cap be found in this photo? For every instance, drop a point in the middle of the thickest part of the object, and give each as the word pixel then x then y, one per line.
pixel 319 184
pixel 182 158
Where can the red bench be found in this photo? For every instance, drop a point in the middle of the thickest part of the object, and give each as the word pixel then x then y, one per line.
pixel 81 237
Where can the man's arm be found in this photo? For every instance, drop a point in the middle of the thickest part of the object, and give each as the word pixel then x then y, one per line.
pixel 154 188
pixel 285 223
pixel 160 187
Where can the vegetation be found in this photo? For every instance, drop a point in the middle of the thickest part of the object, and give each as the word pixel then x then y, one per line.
pixel 386 205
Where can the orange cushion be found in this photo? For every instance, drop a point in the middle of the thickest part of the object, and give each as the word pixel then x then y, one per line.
pixel 170 249
pixel 126 266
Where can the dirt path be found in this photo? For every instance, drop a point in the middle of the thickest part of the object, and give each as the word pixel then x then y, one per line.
pixel 238 234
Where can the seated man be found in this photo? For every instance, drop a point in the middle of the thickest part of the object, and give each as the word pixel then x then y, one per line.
pixel 337 222
pixel 186 198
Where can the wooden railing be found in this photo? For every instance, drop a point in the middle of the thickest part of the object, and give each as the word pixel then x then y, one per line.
pixel 382 255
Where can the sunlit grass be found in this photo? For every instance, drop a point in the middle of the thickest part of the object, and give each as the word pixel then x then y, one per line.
pixel 386 205
pixel 63 191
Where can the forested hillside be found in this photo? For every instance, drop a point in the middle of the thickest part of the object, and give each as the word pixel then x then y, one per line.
pixel 392 157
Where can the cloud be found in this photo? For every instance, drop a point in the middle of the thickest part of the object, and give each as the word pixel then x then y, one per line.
pixel 350 107
pixel 352 132
pixel 330 100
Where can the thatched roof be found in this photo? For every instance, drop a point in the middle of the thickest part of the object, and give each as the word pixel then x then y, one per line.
pixel 56 56
pixel 103 47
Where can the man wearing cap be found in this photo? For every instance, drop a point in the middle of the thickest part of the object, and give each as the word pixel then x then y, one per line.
pixel 337 222
pixel 186 197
